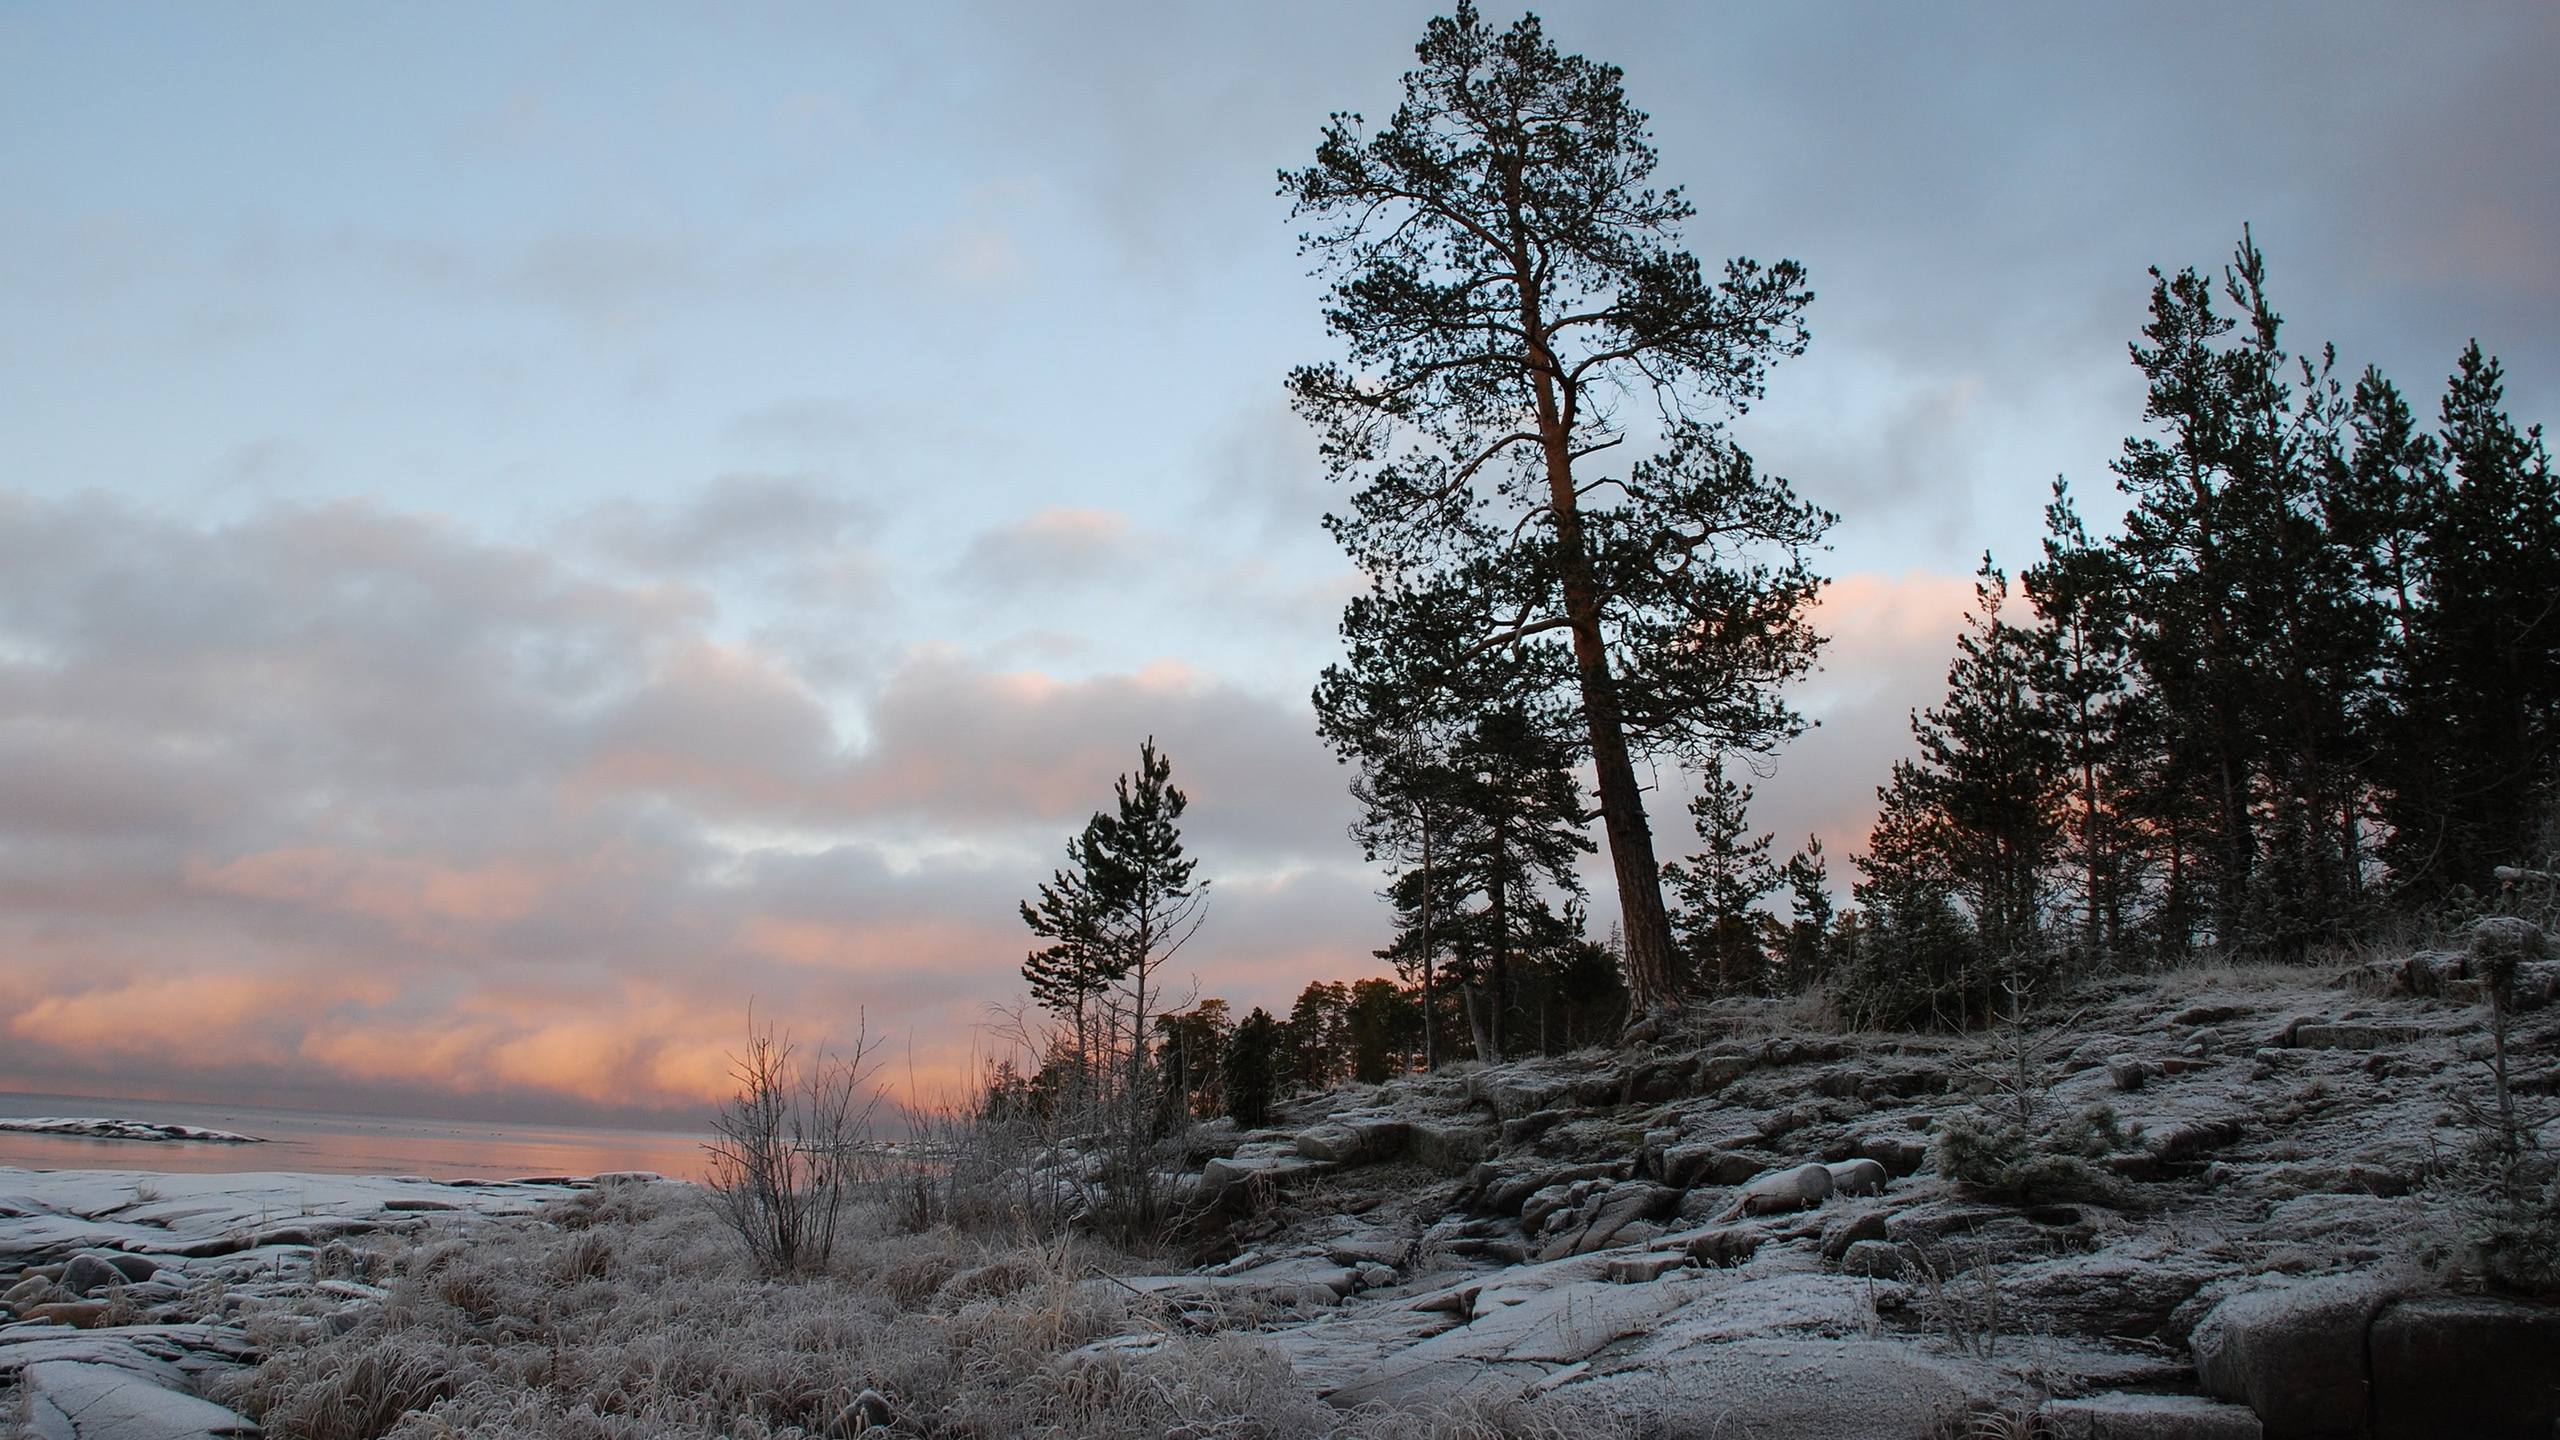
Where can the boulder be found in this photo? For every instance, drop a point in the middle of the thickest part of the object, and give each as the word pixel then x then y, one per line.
pixel 1511 1093
pixel 1684 1166
pixel 1448 1145
pixel 1611 1212
pixel 1850 1230
pixel 87 1274
pixel 2465 1365
pixel 1801 1188
pixel 1875 1259
pixel 2127 1072
pixel 1856 1177
pixel 1724 1246
pixel 1714 1072
pixel 2496 938
pixel 2294 1353
pixel 2146 1417
pixel 78 1314
pixel 1899 1154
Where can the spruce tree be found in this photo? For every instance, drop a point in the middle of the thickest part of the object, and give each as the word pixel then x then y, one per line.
pixel 1720 888
pixel 1504 276
pixel 2483 702
pixel 1255 1069
pixel 1806 946
pixel 2081 594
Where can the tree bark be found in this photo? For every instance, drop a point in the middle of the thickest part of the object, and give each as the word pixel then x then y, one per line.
pixel 1631 857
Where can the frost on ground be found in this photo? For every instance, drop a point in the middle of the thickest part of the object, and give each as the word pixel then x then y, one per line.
pixel 123 1130
pixel 2248 1202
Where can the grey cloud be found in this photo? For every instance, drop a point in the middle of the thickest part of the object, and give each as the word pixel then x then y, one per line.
pixel 738 519
pixel 335 801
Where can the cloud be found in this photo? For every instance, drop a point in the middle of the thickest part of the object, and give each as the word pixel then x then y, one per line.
pixel 417 812
pixel 737 519
pixel 1057 547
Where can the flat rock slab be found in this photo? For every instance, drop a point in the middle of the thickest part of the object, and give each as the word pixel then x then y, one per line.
pixel 1790 1390
pixel 50 1214
pixel 2148 1417
pixel 74 1400
pixel 1508 1348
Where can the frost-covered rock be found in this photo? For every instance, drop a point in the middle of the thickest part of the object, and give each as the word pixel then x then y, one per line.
pixel 2293 1352
pixel 2468 1365
pixel 2147 1417
pixel 76 1400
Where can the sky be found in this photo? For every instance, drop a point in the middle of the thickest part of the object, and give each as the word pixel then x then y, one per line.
pixel 530 533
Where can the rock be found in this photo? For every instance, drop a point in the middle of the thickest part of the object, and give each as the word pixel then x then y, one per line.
pixel 76 1400
pixel 2146 1417
pixel 1874 1259
pixel 2128 1292
pixel 2465 1365
pixel 136 1268
pixel 89 1273
pixel 1508 1194
pixel 1511 1093
pixel 1797 1189
pixel 1448 1145
pixel 78 1314
pixel 1714 1072
pixel 869 1410
pixel 1221 1181
pixel 1640 1269
pixel 1857 1177
pixel 2127 1072
pixel 1850 1230
pixel 2505 937
pixel 1685 1166
pixel 1336 1144
pixel 1724 1246
pixel 1900 1155
pixel 1789 1389
pixel 1516 1133
pixel 2295 1354
pixel 2351 1035
pixel 31 1289
pixel 1616 1210
pixel 1561 1197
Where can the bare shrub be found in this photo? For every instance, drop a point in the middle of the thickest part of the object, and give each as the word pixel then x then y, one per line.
pixel 790 1149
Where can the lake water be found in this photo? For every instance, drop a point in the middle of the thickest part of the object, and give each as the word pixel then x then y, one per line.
pixel 320 1143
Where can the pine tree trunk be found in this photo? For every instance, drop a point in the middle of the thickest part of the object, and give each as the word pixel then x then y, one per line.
pixel 1622 817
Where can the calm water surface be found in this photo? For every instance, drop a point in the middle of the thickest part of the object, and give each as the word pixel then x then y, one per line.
pixel 328 1144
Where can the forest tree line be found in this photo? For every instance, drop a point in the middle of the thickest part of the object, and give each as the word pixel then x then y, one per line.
pixel 2306 689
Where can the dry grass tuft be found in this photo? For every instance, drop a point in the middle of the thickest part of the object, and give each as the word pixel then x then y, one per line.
pixel 638 1315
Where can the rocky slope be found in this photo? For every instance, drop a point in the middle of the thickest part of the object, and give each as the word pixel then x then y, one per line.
pixel 1686 1234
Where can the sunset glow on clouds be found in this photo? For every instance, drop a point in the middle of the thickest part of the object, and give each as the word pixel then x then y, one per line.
pixel 509 560
pixel 566 865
